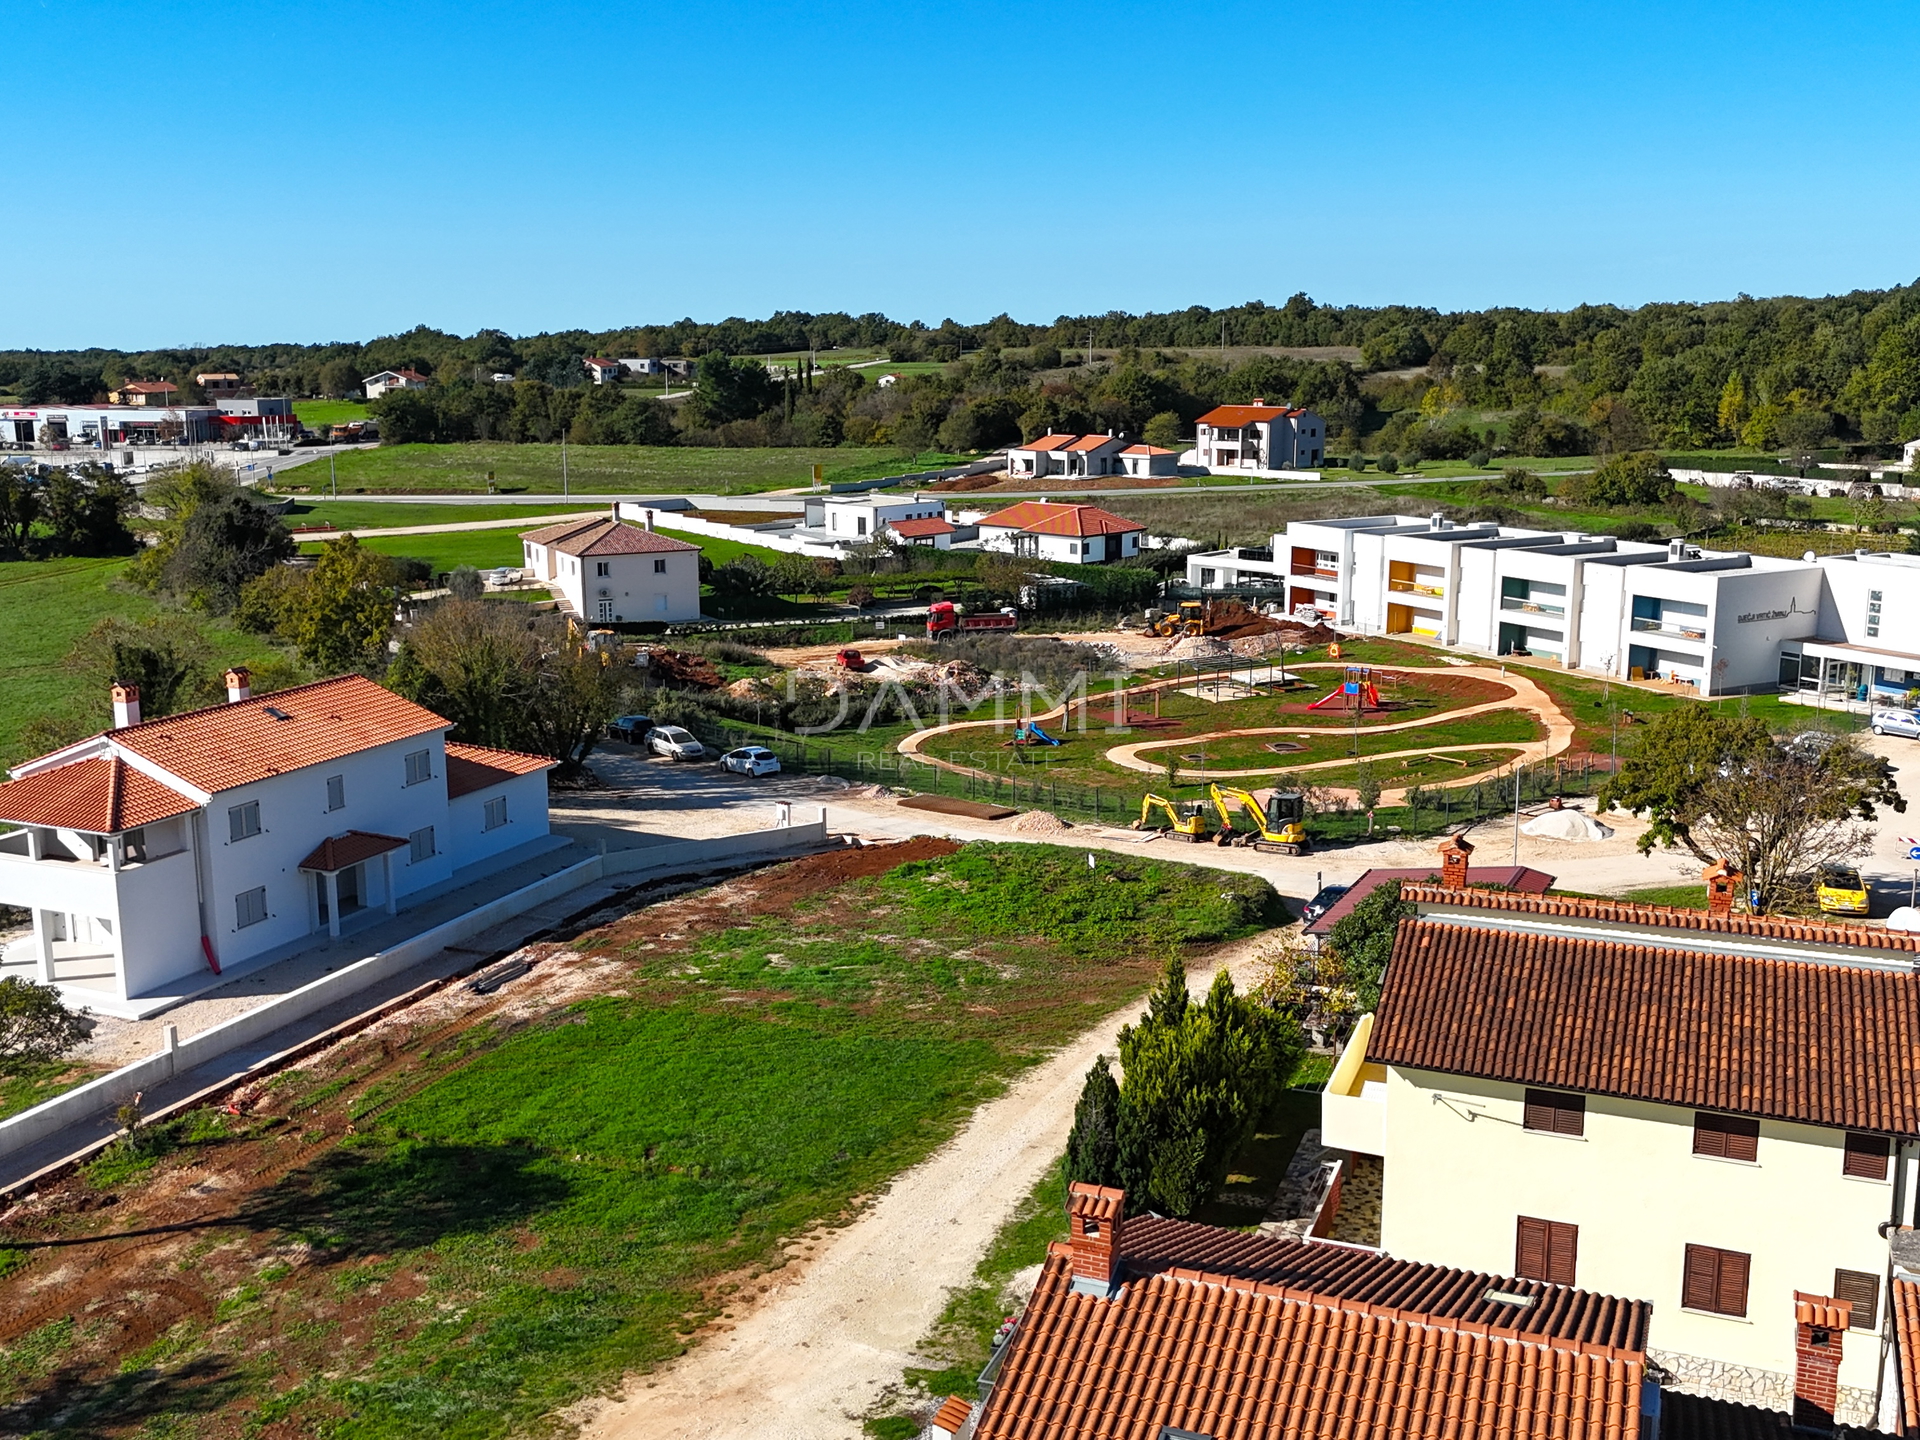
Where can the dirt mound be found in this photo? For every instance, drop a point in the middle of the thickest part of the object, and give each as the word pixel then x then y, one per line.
pixel 744 689
pixel 1040 822
pixel 1197 647
pixel 677 667
pixel 963 483
pixel 1284 633
pixel 1232 620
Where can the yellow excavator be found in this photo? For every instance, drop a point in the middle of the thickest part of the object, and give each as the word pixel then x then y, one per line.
pixel 1191 828
pixel 1189 619
pixel 1280 826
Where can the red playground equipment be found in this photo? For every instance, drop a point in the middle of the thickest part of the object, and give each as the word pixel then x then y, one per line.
pixel 1355 692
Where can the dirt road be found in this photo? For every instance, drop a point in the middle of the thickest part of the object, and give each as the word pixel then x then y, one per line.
pixel 820 1347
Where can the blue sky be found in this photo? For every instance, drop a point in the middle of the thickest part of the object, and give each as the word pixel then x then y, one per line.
pixel 309 172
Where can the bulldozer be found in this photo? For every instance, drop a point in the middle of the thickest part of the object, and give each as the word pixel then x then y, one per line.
pixel 1280 826
pixel 1189 619
pixel 1191 827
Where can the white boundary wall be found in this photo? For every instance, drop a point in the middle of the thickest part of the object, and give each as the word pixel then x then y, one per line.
pixel 118 1086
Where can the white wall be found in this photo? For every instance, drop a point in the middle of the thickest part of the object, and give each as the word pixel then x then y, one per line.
pixel 468 838
pixel 1753 612
pixel 1460 1170
pixel 159 923
pixel 636 587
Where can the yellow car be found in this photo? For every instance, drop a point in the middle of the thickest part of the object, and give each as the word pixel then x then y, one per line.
pixel 1842 892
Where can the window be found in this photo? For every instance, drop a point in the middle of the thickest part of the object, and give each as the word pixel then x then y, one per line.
pixel 1715 1281
pixel 1556 1111
pixel 336 792
pixel 243 821
pixel 496 812
pixel 419 766
pixel 660 567
pixel 1545 1250
pixel 603 567
pixel 1725 1136
pixel 422 842
pixel 250 907
pixel 1861 1291
pixel 1866 1157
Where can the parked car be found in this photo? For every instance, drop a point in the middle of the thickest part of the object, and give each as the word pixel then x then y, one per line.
pixel 1842 892
pixel 1897 722
pixel 751 760
pixel 675 743
pixel 1322 902
pixel 630 728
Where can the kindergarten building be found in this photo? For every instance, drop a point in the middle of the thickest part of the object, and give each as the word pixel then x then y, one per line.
pixel 1719 622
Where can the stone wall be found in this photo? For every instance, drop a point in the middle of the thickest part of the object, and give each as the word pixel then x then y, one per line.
pixel 1745 1385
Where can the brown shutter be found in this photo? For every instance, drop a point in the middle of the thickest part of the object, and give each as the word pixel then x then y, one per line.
pixel 1861 1291
pixel 1539 1112
pixel 1555 1111
pixel 1702 1278
pixel 1743 1138
pixel 1563 1252
pixel 1530 1248
pixel 1730 1295
pixel 1708 1138
pixel 1866 1156
pixel 1727 1137
pixel 1571 1118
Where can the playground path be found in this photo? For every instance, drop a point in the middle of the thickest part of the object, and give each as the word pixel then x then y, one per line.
pixel 1525 695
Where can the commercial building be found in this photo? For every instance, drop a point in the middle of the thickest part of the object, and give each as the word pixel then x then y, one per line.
pixel 94 427
pixel 160 854
pixel 1080 534
pixel 607 571
pixel 1717 621
pixel 1259 437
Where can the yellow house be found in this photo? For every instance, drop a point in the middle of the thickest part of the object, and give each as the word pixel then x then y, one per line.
pixel 1717 1114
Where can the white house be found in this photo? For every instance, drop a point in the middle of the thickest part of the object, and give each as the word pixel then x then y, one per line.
pixel 936 533
pixel 1147 460
pixel 1081 534
pixel 1259 437
pixel 606 570
pixel 642 365
pixel 156 856
pixel 377 385
pixel 855 518
pixel 603 371
pixel 1071 455
pixel 1716 1113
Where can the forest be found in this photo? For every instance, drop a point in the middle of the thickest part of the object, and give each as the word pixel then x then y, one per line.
pixel 1783 372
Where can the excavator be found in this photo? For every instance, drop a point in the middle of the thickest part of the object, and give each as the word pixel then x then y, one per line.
pixel 1189 619
pixel 1191 828
pixel 1280 826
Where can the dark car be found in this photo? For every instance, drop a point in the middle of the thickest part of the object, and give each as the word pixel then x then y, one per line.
pixel 1323 902
pixel 630 728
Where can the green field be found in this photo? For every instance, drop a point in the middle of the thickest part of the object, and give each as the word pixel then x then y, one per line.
pixel 484 549
pixel 593 469
pixel 383 514
pixel 316 413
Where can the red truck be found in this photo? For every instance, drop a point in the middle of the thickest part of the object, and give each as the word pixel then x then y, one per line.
pixel 943 621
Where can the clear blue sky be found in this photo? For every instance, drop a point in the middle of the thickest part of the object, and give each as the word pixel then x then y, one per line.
pixel 307 172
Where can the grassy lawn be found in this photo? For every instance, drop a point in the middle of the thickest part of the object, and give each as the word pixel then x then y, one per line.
pixel 49 604
pixel 591 469
pixel 28 1086
pixel 315 413
pixel 380 514
pixel 464 1230
pixel 487 548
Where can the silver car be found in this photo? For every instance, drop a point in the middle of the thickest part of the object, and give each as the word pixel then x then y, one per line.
pixel 1897 722
pixel 675 743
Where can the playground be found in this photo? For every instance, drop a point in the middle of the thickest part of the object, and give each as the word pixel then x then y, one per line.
pixel 1316 723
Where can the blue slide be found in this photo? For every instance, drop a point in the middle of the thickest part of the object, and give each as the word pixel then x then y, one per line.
pixel 1034 732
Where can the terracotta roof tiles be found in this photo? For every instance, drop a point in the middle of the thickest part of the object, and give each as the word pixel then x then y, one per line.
pixel 337 852
pixel 1512 877
pixel 1047 442
pixel 1040 518
pixel 1234 417
pixel 102 795
pixel 914 529
pixel 475 767
pixel 604 536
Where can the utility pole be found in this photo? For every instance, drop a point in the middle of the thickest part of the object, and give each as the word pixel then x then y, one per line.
pixel 333 477
pixel 564 488
pixel 1516 816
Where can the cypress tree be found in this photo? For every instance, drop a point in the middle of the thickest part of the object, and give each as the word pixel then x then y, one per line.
pixel 1092 1148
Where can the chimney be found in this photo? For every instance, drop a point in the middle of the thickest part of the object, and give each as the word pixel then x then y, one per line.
pixel 614 512
pixel 1820 1325
pixel 1676 550
pixel 126 705
pixel 1723 883
pixel 1097 1214
pixel 1259 400
pixel 646 521
pixel 239 685
pixel 1453 863
pixel 952 1418
pixel 1437 521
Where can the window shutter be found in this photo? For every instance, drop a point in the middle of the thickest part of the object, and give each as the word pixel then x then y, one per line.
pixel 1730 1295
pixel 1866 1156
pixel 1702 1278
pixel 1563 1250
pixel 1555 1111
pixel 1571 1116
pixel 1530 1249
pixel 1861 1291
pixel 1539 1112
pixel 1708 1138
pixel 1743 1139
pixel 1725 1136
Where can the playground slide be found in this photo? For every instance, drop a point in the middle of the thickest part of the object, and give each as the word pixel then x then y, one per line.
pixel 1331 697
pixel 1372 696
pixel 1364 691
pixel 1034 732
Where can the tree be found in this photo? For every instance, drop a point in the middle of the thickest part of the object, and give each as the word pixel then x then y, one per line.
pixel 35 1025
pixel 464 583
pixel 212 538
pixel 1002 577
pixel 471 662
pixel 1093 1146
pixel 340 377
pixel 85 510
pixel 1163 430
pixel 575 691
pixel 744 576
pixel 1666 778
pixel 793 575
pixel 19 509
pixel 166 656
pixel 341 612
pixel 407 417
pixel 726 389
pixel 1362 942
pixel 1637 478
pixel 60 382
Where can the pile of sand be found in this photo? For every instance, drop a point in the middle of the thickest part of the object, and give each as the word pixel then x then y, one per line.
pixel 1039 822
pixel 1198 647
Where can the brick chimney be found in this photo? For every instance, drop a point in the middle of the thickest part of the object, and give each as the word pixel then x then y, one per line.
pixel 126 705
pixel 1097 1214
pixel 239 685
pixel 1453 863
pixel 1723 883
pixel 1820 1324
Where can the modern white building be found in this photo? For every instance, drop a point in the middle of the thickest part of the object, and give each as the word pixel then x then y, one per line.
pixel 853 519
pixel 1259 437
pixel 1079 534
pixel 377 385
pixel 606 570
pixel 157 856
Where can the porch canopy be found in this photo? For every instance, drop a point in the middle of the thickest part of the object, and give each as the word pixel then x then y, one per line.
pixel 343 852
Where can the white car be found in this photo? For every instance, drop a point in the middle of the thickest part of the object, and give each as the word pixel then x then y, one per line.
pixel 1897 722
pixel 675 743
pixel 751 760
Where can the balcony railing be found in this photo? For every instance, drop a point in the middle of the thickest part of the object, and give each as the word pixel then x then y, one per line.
pixel 1414 587
pixel 1315 572
pixel 1655 626
pixel 1531 607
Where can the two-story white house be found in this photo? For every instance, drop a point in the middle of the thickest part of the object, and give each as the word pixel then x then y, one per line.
pixel 160 854
pixel 1718 1114
pixel 1259 437
pixel 607 570
pixel 374 386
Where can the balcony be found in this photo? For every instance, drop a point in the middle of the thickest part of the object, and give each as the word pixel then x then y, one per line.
pixel 1530 606
pixel 1353 1107
pixel 1681 629
pixel 1415 587
pixel 1314 572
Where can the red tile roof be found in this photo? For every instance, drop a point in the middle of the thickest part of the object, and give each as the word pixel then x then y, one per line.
pixel 1670 917
pixel 1224 1356
pixel 475 767
pixel 101 796
pixel 953 1414
pixel 1513 877
pixel 147 387
pixel 1906 1343
pixel 223 746
pixel 1234 417
pixel 913 529
pixel 1040 518
pixel 600 361
pixel 1047 442
pixel 1818 1043
pixel 340 851
pixel 1092 442
pixel 604 536
pixel 1146 450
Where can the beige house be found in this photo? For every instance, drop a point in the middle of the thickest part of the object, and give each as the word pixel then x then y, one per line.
pixel 606 571
pixel 143 392
pixel 1718 1114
